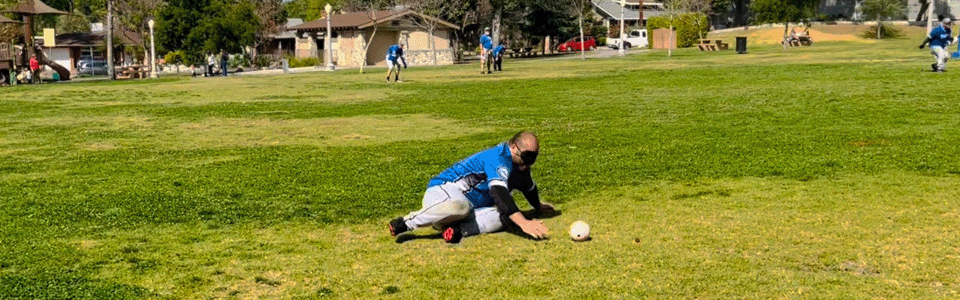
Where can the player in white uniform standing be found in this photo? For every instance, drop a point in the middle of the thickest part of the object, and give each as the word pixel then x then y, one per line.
pixel 473 196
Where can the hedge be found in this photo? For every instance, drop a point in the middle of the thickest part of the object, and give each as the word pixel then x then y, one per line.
pixel 685 25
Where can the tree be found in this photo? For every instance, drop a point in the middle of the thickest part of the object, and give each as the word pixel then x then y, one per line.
pixel 372 8
pixel 435 10
pixel 882 9
pixel 674 8
pixel 132 17
pixel 577 7
pixel 175 25
pixel 308 10
pixel 699 7
pixel 783 11
pixel 271 18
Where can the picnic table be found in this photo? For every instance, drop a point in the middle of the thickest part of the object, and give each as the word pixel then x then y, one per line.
pixel 712 45
pixel 803 40
pixel 522 52
pixel 133 71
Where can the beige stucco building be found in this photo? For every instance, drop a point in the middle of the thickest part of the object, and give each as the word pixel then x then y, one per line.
pixel 352 32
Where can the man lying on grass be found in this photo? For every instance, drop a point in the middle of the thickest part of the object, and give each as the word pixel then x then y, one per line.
pixel 473 196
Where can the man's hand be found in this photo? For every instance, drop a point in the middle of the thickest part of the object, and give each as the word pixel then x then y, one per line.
pixel 534 228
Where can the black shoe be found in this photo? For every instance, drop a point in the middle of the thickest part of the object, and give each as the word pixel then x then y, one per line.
pixel 452 235
pixel 398 227
pixel 934 66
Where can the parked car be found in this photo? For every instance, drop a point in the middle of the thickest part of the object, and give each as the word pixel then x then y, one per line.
pixel 635 38
pixel 92 67
pixel 575 44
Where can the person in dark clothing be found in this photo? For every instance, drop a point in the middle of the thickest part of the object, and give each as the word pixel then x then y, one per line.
pixel 224 59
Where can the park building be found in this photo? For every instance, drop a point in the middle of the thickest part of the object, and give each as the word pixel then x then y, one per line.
pixel 351 32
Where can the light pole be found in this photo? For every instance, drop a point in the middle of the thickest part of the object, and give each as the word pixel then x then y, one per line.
pixel 153 52
pixel 623 4
pixel 326 40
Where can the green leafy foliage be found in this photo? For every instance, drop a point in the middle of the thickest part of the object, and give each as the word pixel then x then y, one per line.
pixel 886 31
pixel 303 62
pixel 198 27
pixel 783 11
pixel 689 27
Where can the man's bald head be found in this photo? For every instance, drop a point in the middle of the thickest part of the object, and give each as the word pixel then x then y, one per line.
pixel 527 141
pixel 524 149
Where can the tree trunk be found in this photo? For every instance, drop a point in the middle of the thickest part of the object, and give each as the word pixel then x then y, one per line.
pixel 670 38
pixel 786 27
pixel 366 48
pixel 879 25
pixel 582 42
pixel 497 18
pixel 433 46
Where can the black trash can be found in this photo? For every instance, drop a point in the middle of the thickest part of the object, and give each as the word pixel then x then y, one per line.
pixel 741 44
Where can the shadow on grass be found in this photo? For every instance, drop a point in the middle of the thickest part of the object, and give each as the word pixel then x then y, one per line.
pixel 509 228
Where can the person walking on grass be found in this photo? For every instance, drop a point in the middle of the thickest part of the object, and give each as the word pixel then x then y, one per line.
pixel 394 57
pixel 486 47
pixel 939 38
pixel 473 196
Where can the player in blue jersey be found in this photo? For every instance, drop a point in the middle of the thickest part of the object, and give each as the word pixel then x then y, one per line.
pixel 394 57
pixel 486 47
pixel 939 38
pixel 498 57
pixel 473 196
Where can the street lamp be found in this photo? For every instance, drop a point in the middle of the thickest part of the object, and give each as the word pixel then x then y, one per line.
pixel 153 52
pixel 623 4
pixel 326 40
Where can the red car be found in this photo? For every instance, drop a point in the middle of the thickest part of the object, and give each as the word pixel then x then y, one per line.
pixel 574 44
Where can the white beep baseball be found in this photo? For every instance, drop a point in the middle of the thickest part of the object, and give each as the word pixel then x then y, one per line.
pixel 580 231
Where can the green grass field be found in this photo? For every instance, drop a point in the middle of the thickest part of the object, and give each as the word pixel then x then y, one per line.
pixel 824 172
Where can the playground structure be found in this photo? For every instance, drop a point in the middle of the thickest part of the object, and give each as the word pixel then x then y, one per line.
pixel 6 63
pixel 21 59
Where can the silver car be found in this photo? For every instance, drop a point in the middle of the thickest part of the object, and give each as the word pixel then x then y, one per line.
pixel 92 67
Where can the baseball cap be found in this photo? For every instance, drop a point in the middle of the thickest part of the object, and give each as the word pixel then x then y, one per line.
pixel 488 28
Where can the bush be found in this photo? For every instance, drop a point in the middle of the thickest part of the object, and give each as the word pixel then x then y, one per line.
pixel 599 32
pixel 886 31
pixel 601 41
pixel 239 61
pixel 303 62
pixel 688 34
pixel 175 57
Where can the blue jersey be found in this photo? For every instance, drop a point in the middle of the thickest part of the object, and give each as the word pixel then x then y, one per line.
pixel 475 174
pixel 940 36
pixel 486 42
pixel 394 52
pixel 499 50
